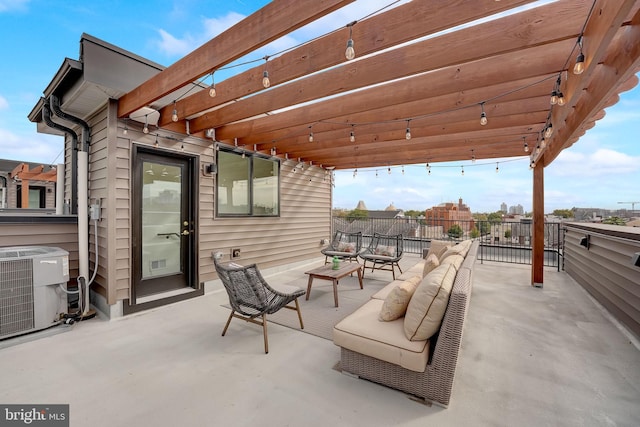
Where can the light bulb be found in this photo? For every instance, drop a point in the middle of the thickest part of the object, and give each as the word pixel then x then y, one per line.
pixel 497 169
pixel 352 137
pixel 462 170
pixel 407 134
pixel 561 100
pixel 350 53
pixel 310 136
pixel 548 131
pixel 125 131
pixel 389 170
pixel 145 129
pixel 212 91
pixel 156 144
pixel 355 172
pixel 554 98
pixel 526 147
pixel 483 118
pixel 174 116
pixel 265 79
pixel 579 67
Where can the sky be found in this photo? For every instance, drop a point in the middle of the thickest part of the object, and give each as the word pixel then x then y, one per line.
pixel 599 171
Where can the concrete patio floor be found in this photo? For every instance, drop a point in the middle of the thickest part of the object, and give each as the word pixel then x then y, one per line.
pixel 530 357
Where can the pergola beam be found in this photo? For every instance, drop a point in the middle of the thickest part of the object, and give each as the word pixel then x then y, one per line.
pixel 277 18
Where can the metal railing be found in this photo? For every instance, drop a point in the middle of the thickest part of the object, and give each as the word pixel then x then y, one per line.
pixel 501 241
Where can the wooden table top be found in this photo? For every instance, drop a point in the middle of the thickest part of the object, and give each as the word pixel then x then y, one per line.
pixel 326 271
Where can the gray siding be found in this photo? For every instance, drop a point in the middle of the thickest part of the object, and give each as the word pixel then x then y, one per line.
pixel 605 269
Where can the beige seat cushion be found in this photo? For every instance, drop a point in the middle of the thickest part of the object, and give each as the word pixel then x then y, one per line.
pixel 428 304
pixel 460 249
pixel 395 304
pixel 430 263
pixel 363 333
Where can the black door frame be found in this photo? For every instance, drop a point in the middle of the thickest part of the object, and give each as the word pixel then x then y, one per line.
pixel 191 254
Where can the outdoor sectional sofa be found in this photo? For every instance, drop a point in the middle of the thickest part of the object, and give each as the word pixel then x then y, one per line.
pixel 392 352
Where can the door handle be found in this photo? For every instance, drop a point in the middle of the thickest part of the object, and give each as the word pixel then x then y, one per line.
pixel 185 232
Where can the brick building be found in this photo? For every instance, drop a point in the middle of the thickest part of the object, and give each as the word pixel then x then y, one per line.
pixel 448 214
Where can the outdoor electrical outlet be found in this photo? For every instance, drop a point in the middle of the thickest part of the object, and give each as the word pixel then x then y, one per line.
pixel 235 253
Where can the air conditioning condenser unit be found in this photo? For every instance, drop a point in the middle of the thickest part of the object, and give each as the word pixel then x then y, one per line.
pixel 31 298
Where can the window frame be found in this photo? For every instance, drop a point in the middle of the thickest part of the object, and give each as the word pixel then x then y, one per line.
pixel 250 184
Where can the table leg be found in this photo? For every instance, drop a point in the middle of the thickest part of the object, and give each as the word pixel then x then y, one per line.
pixel 360 277
pixel 335 291
pixel 309 288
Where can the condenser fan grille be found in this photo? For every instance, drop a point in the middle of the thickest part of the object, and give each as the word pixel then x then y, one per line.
pixel 16 296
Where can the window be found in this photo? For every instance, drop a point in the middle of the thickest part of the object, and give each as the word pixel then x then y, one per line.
pixel 37 197
pixel 247 186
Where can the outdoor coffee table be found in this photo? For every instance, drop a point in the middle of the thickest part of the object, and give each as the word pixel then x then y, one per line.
pixel 327 273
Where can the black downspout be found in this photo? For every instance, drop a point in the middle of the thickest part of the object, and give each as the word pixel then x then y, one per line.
pixel 46 116
pixel 86 130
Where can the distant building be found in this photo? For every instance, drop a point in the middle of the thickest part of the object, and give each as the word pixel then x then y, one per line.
pixel 448 214
pixel 516 210
pixel 19 179
pixel 503 207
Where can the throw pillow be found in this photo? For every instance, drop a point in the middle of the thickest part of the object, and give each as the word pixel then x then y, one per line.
pixel 428 304
pixel 385 250
pixel 395 304
pixel 430 264
pixel 455 260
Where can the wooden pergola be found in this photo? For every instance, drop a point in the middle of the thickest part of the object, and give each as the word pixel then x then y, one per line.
pixel 427 68
pixel 22 173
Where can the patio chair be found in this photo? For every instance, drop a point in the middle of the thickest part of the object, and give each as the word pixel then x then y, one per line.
pixel 251 298
pixel 344 245
pixel 384 252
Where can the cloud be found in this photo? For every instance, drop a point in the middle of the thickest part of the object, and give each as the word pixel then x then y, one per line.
pixel 9 5
pixel 37 148
pixel 3 103
pixel 172 45
pixel 602 162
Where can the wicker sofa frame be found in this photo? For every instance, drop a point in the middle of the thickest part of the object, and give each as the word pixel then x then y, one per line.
pixel 436 382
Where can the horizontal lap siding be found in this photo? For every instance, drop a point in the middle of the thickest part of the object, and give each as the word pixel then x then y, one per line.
pixel 605 270
pixel 305 219
pixel 64 236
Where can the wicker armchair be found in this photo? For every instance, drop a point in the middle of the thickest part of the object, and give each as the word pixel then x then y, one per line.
pixel 384 253
pixel 251 298
pixel 344 245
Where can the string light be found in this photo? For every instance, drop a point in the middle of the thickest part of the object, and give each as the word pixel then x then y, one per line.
pixel 156 144
pixel 578 68
pixel 174 115
pixel 403 170
pixel 145 129
pixel 462 170
pixel 352 135
pixel 497 169
pixel 561 100
pixel 483 115
pixel 376 173
pixel 126 129
pixel 554 97
pixel 310 134
pixel 407 134
pixel 548 131
pixel 350 52
pixel 473 156
pixel 212 88
pixel 389 170
pixel 182 146
pixel 526 146
pixel 265 74
pixel 355 172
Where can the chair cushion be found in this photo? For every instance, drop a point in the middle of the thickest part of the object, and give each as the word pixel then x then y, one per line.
pixel 438 247
pixel 348 247
pixel 431 262
pixel 389 251
pixel 460 249
pixel 428 304
pixel 395 304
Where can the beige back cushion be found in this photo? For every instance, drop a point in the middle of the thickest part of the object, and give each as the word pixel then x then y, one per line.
pixel 428 304
pixel 455 260
pixel 395 304
pixel 460 249
pixel 431 262
pixel 438 248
